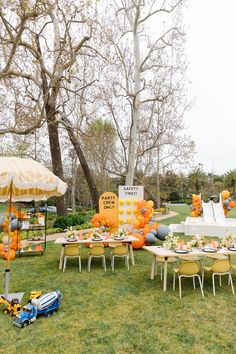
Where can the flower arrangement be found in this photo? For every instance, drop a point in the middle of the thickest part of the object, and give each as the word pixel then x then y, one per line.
pixel 71 234
pixel 122 233
pixel 96 233
pixel 228 241
pixel 171 241
pixel 197 241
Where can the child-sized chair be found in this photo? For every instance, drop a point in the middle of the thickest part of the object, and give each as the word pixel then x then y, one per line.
pixel 72 251
pixel 96 251
pixel 119 251
pixel 188 269
pixel 219 267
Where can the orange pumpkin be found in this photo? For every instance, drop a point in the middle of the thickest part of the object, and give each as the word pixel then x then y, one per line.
pixel 140 243
pixel 1 247
pixel 232 204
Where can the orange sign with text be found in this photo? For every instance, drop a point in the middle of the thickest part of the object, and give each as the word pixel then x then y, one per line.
pixel 108 205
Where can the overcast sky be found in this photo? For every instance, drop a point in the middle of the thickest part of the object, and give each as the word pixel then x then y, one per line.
pixel 211 50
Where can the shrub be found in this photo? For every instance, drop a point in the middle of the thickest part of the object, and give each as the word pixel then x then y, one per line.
pixel 63 222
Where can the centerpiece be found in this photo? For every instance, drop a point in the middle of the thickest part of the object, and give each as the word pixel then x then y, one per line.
pixel 228 241
pixel 71 235
pixel 121 234
pixel 198 241
pixel 171 241
pixel 96 235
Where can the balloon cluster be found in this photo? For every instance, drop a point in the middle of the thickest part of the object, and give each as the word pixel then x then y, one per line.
pixel 146 229
pixel 143 212
pixel 196 205
pixel 149 235
pixel 227 202
pixel 103 222
pixel 15 223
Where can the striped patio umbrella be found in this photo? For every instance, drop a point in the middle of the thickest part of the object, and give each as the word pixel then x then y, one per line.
pixel 25 180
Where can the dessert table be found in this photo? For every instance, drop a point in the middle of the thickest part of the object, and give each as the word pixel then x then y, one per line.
pixel 157 251
pixel 63 241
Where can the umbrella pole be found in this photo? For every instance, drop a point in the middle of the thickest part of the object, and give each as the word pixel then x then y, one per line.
pixel 7 269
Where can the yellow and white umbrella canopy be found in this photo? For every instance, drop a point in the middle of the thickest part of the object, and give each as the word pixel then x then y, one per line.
pixel 25 180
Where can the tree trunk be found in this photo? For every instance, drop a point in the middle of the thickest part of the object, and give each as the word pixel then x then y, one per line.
pixel 135 112
pixel 73 183
pixel 87 173
pixel 158 199
pixel 56 158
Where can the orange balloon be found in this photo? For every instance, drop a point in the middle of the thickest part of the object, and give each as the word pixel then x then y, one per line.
pixel 232 204
pixel 13 246
pixel 140 243
pixel 14 238
pixel 136 223
pixel 225 194
pixel 12 254
pixel 150 203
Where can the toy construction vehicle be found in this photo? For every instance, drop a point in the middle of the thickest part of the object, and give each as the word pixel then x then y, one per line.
pixel 11 306
pixel 35 294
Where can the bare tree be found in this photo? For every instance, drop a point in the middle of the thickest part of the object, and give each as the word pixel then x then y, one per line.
pixel 40 41
pixel 139 62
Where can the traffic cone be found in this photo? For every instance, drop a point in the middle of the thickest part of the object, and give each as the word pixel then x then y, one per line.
pixel 40 248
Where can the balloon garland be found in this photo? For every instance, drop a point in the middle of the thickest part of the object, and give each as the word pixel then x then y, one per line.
pixel 227 202
pixel 103 222
pixel 15 239
pixel 196 205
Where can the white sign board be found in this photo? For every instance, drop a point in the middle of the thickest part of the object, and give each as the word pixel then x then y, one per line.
pixel 128 198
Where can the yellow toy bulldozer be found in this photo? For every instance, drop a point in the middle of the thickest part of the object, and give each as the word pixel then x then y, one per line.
pixel 11 306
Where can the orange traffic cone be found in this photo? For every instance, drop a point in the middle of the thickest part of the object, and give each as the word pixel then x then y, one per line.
pixel 40 248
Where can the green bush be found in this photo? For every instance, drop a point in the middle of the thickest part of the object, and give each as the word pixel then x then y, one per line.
pixel 64 222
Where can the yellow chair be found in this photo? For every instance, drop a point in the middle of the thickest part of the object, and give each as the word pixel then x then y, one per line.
pixel 161 261
pixel 71 251
pixel 119 251
pixel 96 251
pixel 188 269
pixel 220 267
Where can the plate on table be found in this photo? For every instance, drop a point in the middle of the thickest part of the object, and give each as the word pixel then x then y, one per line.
pixel 72 240
pixel 209 250
pixel 181 251
pixel 118 238
pixel 232 248
pixel 96 239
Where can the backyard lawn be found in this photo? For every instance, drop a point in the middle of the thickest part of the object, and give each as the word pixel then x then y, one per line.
pixel 119 312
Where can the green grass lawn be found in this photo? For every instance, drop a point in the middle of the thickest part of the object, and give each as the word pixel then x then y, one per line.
pixel 120 312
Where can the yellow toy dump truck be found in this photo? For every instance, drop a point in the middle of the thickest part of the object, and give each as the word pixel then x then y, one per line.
pixel 11 306
pixel 35 294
